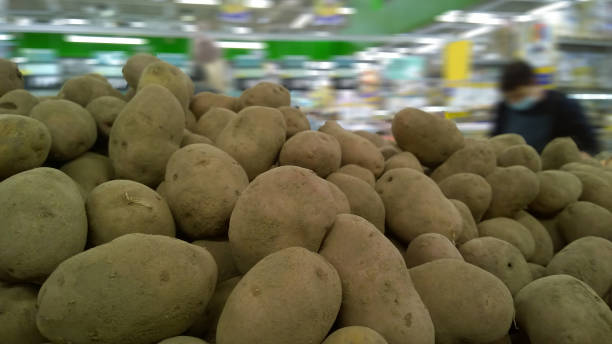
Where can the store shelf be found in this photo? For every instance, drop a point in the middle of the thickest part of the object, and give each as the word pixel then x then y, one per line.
pixel 586 42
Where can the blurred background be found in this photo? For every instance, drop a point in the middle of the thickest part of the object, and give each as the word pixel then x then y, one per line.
pixel 356 61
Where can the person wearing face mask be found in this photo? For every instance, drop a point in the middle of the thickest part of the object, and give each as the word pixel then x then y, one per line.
pixel 539 115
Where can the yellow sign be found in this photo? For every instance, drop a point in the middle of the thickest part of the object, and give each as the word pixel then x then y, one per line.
pixel 457 60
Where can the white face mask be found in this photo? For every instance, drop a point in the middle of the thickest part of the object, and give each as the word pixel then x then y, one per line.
pixel 524 104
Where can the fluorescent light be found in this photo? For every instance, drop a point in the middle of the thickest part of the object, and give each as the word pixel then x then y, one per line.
pixel 428 49
pixel 70 21
pixel 523 18
pixel 258 3
pixel 6 37
pixel 19 59
pixel 241 30
pixel 241 45
pixel 138 24
pixel 302 20
pixel 477 32
pixel 549 8
pixel 346 11
pixel 387 55
pixel 428 40
pixel 592 96
pixel 472 18
pixel 189 27
pixel 188 17
pixel 23 21
pixel 198 2
pixel 105 40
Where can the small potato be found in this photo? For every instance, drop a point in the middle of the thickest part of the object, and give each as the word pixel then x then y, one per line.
pixel 84 89
pixel 17 102
pixel 359 172
pixel 190 138
pixel 500 258
pixel 183 340
pixel 18 316
pixel 105 110
pixel 25 144
pixel 313 150
pixel 355 149
pixel 132 70
pixel 202 102
pixel 221 251
pixel 543 242
pixel 521 155
pixel 73 129
pixel 511 231
pixel 477 158
pixel 557 190
pixel 469 188
pixel 552 227
pixel 362 198
pixel 431 138
pixel 213 121
pixel 469 230
pixel 537 271
pixel 595 189
pixel 295 119
pixel 291 279
pixel 170 77
pixel 562 310
pixel 559 152
pixel 388 151
pixel 120 207
pixel 581 219
pixel 11 77
pixel 355 335
pixel 481 304
pixel 403 159
pixel 265 94
pixel 502 142
pixel 342 204
pixel 428 247
pixel 89 170
pixel 376 139
pixel 513 188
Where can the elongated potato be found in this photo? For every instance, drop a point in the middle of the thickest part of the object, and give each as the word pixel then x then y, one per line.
pixel 428 247
pixel 599 170
pixel 511 231
pixel 180 279
pixel 595 189
pixel 11 77
pixel 18 316
pixel 522 155
pixel 190 138
pixel 132 70
pixel 469 230
pixel 17 102
pixel 355 335
pixel 559 152
pixel 557 190
pixel 221 251
pixel 170 77
pixel 25 144
pixel 403 159
pixel 388 304
pixel 477 158
pixel 376 139
pixel 513 188
pixel 543 242
pixel 202 102
pixel 313 150
pixel 295 278
pixel 89 170
pixel 84 89
pixel 469 188
pixel 213 121
pixel 359 172
pixel 265 94
pixel 552 227
pixel 502 142
pixel 583 219
pixel 295 119
pixel 105 111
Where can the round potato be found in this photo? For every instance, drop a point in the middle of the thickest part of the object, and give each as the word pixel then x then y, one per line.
pixel 132 70
pixel 403 159
pixel 477 158
pixel 11 77
pixel 376 139
pixel 190 138
pixel 84 89
pixel 543 242
pixel 313 150
pixel 170 77
pixel 355 335
pixel 202 102
pixel 599 170
pixel 182 340
pixel 295 119
pixel 513 188
pixel 359 172
pixel 583 219
pixel 104 111
pixel 510 231
pixel 521 155
pixel 213 121
pixel 469 230
pixel 89 170
pixel 341 201
pixel 265 94
pixel 17 102
pixel 559 152
pixel 428 247
pixel 595 189
pixel 471 189
pixel 18 316
pixel 25 144
pixel 502 142
pixel 389 150
pixel 552 227
pixel 221 251
pixel 557 190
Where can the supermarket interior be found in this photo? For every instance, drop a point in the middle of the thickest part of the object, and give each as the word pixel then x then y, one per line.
pixel 357 61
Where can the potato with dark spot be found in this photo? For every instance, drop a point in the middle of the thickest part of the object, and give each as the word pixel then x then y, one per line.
pixel 18 315
pixel 557 190
pixel 25 144
pixel 132 70
pixel 513 188
pixel 84 89
pixel 73 129
pixel 595 189
pixel 355 335
pixel 537 271
pixel 313 150
pixel 291 279
pixel 403 159
pixel 202 102
pixel 511 231
pixel 428 247
pixel 559 152
pixel 10 77
pixel 213 122
pixel 376 139
pixel 17 102
pixel 521 155
pixel 89 170
pixel 183 340
pixel 295 119
pixel 477 158
pixel 469 230
pixel 105 110
pixel 500 143
pixel 543 242
pixel 469 188
pixel 170 77
pixel 190 138
pixel 581 219
pixel 359 172
pixel 221 251
pixel 179 277
pixel 265 94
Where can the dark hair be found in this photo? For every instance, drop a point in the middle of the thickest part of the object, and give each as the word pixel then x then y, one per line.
pixel 515 75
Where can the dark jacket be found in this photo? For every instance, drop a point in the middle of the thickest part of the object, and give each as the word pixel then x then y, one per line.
pixel 563 115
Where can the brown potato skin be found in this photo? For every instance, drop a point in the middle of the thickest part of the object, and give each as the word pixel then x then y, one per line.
pixel 313 150
pixel 471 189
pixel 11 77
pixel 190 138
pixel 403 159
pixel 523 155
pixel 17 102
pixel 510 231
pixel 132 70
pixel 265 94
pixel 295 119
pixel 213 121
pixel 513 188
pixel 25 144
pixel 581 219
pixel 221 251
pixel 105 111
pixel 544 247
pixel 355 335
pixel 469 229
pixel 387 304
pixel 559 152
pixel 376 139
pixel 388 151
pixel 557 190
pixel 500 143
pixel 341 201
pixel 477 158
pixel 183 340
pixel 359 172
pixel 552 227
pixel 170 77
pixel 202 102
pixel 89 170
pixel 537 271
pixel 428 247
pixel 84 89
pixel 18 317
pixel 595 189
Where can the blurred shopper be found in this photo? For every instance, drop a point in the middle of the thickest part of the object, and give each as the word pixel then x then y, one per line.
pixel 539 115
pixel 210 69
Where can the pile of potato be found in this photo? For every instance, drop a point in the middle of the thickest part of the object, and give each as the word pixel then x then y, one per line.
pixel 160 216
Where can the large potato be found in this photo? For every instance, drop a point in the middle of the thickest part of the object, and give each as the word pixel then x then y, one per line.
pixel 502 142
pixel 73 129
pixel 145 134
pixel 18 314
pixel 583 219
pixel 477 158
pixel 376 288
pixel 599 170
pixel 562 310
pixel 295 119
pixel 286 206
pixel 43 223
pixel 559 152
pixel 403 159
pixel 428 247
pixel 105 111
pixel 120 207
pixel 202 186
pixel 511 231
pixel 557 190
pixel 500 258
pixel 265 94
pixel 132 70
pixel 376 139
pixel 84 89
pixel 513 188
pixel 543 242
pixel 25 144
pixel 415 205
pixel 222 252
pixel 89 170
pixel 359 172
pixel 588 259
pixel 595 189
pixel 355 335
pixel 481 304
pixel 17 102
pixel 313 150
pixel 430 137
pixel 293 279
pixel 469 230
pixel 522 155
pixel 356 149
pixel 10 76
pixel 254 138
pixel 170 77
pixel 202 102
pixel 469 188
pixel 213 121
pixel 340 200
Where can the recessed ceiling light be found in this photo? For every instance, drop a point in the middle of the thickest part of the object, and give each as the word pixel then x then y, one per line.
pixel 241 30
pixel 258 3
pixel 105 40
pixel 346 10
pixel 241 45
pixel 198 2
pixel 6 37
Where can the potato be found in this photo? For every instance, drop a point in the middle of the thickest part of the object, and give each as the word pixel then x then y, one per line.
pixel 481 304
pixel 412 201
pixel 537 271
pixel 25 144
pixel 552 227
pixel 428 247
pixel 295 119
pixel 182 340
pixel 119 207
pixel 521 155
pixel 403 159
pixel 202 102
pixel 10 77
pixel 105 111
pixel 43 223
pixel 213 121
pixel 179 277
pixel 513 188
pixel 84 89
pixel 362 198
pixel 153 118
pixel 588 259
pixel 17 102
pixel 265 94
pixel 264 219
pixel 559 152
pixel 341 201
pixel 557 190
pixel 129 94
pixel 469 188
pixel 73 129
pixel 500 143
pixel 359 172
pixel 511 231
pixel 132 70
pixel 500 258
pixel 543 242
pixel 562 310
pixel 581 219
pixel 477 158
pixel 291 279
pixel 431 138
pixel 202 208
pixel 190 138
pixel 313 150
pixel 599 171
pixel 221 251
pixel 388 151
pixel 254 138
pixel 190 120
pixel 355 335
pixel 376 139
pixel 355 149
pixel 89 170
pixel 170 77
pixel 387 303
pixel 18 316
pixel 595 189
pixel 469 230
